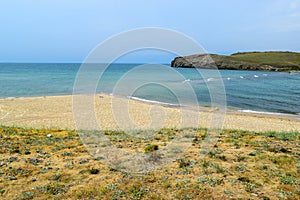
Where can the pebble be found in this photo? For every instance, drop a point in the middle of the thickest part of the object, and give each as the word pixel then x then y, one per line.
pixel 11 178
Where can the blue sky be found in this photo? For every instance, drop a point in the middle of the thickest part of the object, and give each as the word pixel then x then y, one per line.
pixel 67 30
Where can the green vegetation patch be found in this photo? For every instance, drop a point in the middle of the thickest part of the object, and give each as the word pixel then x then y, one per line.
pixel 241 165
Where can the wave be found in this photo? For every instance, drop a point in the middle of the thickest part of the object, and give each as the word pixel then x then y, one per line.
pixel 153 101
pixel 214 79
pixel 187 80
pixel 14 97
pixel 267 113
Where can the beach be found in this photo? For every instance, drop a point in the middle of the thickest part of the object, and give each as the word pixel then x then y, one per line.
pixel 42 158
pixel 56 112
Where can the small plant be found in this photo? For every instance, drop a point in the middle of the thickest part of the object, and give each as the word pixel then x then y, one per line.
pixel 67 154
pixel 44 170
pixel 240 168
pixel 214 181
pixel 94 171
pixel 12 159
pixel 202 179
pixel 55 188
pixel 234 135
pixel 282 161
pixel 34 161
pixel 240 158
pixel 222 157
pixel 171 136
pixel 83 161
pixel 254 153
pixel 28 195
pixel 183 163
pixel 69 165
pixel 138 192
pixel 236 144
pixel 270 134
pixel 214 153
pixel 151 148
pixel 2 191
pixel 55 177
pixel 228 192
pixel 167 185
pixel 288 180
pixel 219 168
pixel 205 163
pixel 250 187
pixel 244 179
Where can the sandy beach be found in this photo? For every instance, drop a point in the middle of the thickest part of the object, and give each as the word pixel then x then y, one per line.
pixel 56 112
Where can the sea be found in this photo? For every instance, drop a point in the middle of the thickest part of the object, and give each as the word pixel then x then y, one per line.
pixel 246 91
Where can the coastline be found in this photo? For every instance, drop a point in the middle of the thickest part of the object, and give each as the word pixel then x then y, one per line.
pixel 261 61
pixel 56 112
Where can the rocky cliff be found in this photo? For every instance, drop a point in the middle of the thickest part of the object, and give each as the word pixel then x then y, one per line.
pixel 266 61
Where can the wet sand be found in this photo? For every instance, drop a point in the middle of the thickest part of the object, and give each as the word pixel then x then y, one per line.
pixel 110 112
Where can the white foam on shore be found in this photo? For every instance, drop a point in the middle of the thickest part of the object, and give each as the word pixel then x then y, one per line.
pixel 262 112
pixel 152 101
pixel 187 80
pixel 13 97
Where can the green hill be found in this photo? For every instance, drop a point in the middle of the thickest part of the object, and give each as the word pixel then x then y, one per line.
pixel 267 61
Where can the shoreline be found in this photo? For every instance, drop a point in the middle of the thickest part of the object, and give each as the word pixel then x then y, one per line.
pixel 56 111
pixel 171 105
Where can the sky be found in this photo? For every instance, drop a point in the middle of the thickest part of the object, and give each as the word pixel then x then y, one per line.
pixel 67 30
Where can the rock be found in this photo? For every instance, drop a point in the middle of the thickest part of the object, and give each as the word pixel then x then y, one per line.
pixel 265 61
pixel 3 163
pixel 11 178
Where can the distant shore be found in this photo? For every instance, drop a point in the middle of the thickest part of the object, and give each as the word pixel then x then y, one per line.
pixel 56 112
pixel 282 61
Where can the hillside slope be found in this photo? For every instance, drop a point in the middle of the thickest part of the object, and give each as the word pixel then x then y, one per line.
pixel 265 61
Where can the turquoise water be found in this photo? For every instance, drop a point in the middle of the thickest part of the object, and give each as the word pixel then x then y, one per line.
pixel 246 90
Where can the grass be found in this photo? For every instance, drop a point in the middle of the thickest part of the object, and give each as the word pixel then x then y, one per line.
pixel 277 59
pixel 242 165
